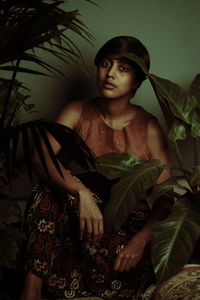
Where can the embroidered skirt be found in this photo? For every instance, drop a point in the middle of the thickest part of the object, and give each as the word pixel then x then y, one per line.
pixel 70 269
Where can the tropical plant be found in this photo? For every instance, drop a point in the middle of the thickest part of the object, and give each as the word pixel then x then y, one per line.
pixel 180 231
pixel 29 28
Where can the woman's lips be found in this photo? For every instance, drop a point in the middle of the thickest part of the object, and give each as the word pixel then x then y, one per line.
pixel 108 85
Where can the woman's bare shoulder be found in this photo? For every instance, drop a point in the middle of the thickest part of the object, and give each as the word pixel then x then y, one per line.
pixel 70 114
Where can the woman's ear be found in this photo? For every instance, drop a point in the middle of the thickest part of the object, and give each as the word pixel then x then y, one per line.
pixel 137 84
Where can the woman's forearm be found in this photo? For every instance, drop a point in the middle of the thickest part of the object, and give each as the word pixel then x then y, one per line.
pixel 67 182
pixel 160 212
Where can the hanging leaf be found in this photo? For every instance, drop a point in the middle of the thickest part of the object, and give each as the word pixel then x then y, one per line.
pixel 111 165
pixel 173 99
pixel 114 164
pixel 24 70
pixel 195 87
pixel 29 25
pixel 136 59
pixel 174 239
pixel 164 187
pixel 182 105
pixel 70 142
pixel 195 178
pixel 177 132
pixel 129 190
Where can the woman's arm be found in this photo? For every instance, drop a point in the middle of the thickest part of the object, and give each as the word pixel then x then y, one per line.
pixel 131 254
pixel 91 218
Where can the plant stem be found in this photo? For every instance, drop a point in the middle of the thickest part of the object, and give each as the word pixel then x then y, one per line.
pixel 9 93
pixel 180 161
pixel 196 152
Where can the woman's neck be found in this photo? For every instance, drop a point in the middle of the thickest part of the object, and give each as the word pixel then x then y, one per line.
pixel 114 109
pixel 116 114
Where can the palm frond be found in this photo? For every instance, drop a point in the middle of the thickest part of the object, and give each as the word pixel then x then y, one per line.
pixel 70 142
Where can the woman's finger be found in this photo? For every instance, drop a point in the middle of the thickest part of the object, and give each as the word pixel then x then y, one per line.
pixel 119 263
pixel 123 264
pixel 82 228
pixel 95 234
pixel 101 227
pixel 89 229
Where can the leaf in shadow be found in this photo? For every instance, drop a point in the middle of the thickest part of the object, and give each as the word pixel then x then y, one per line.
pixel 177 132
pixel 111 165
pixel 175 102
pixel 182 105
pixel 23 70
pixel 174 239
pixel 164 187
pixel 114 164
pixel 129 190
pixel 195 87
pixel 71 143
pixel 195 177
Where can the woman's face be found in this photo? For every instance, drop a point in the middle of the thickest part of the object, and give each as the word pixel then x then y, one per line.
pixel 116 78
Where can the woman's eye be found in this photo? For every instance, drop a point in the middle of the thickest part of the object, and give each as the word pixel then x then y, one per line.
pixel 105 63
pixel 124 68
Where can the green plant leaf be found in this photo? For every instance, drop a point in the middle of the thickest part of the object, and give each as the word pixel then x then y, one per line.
pixel 29 25
pixel 195 87
pixel 114 164
pixel 24 70
pixel 174 238
pixel 195 177
pixel 138 61
pixel 111 165
pixel 177 132
pixel 165 186
pixel 181 105
pixel 129 190
pixel 70 142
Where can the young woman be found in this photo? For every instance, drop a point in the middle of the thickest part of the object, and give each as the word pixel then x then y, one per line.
pixel 68 250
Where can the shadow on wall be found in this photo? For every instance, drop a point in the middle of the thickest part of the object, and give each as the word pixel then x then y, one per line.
pixel 76 86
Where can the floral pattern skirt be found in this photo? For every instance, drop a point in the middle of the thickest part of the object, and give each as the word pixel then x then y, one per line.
pixel 67 266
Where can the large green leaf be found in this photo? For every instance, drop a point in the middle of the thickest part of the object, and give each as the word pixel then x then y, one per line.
pixel 195 178
pixel 136 59
pixel 177 132
pixel 114 164
pixel 129 190
pixel 174 238
pixel 165 187
pixel 182 106
pixel 111 165
pixel 175 101
pixel 195 87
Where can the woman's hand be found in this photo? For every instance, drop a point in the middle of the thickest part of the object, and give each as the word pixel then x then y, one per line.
pixel 130 254
pixel 91 219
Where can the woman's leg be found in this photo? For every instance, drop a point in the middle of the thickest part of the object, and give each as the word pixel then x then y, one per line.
pixel 40 227
pixel 32 288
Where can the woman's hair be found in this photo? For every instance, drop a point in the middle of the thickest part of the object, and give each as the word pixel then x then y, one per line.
pixel 122 45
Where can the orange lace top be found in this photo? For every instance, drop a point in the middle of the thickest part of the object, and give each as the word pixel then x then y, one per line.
pixel 103 139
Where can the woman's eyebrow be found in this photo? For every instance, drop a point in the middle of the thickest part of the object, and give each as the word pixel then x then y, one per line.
pixel 119 59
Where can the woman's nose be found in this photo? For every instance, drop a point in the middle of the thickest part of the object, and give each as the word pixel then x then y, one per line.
pixel 111 72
